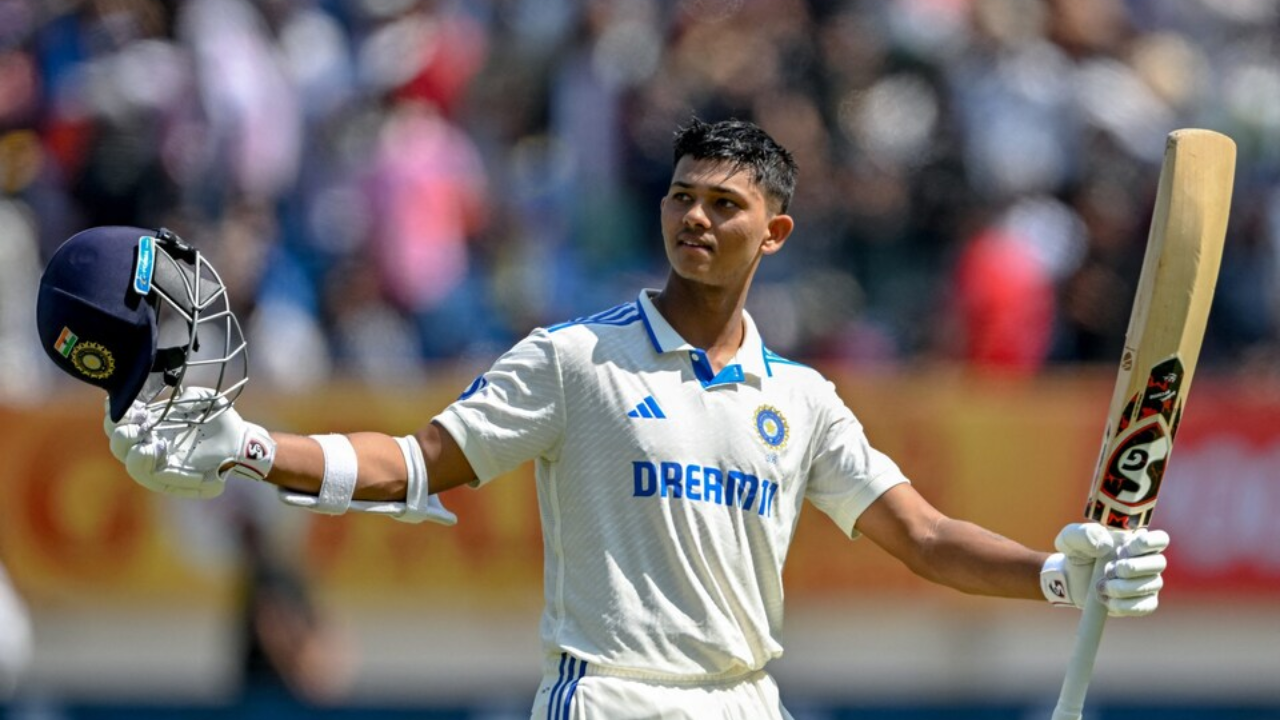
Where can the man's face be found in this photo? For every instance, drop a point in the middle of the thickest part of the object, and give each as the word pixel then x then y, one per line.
pixel 717 223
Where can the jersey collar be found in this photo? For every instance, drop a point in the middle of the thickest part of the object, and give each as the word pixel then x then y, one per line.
pixel 749 361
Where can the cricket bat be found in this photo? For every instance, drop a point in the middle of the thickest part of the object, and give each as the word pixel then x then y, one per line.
pixel 1161 347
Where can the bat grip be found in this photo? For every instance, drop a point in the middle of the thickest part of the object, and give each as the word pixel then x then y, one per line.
pixel 1093 619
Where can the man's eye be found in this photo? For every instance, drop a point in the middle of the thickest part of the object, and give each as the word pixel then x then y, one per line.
pixel 726 203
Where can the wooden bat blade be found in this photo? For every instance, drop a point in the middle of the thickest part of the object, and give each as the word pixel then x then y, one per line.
pixel 1166 326
pixel 1161 348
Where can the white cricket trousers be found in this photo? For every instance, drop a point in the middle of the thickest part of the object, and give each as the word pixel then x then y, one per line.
pixel 572 689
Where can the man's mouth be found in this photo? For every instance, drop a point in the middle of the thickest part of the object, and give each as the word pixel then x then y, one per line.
pixel 685 241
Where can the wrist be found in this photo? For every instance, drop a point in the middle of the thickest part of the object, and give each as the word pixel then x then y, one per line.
pixel 1054 581
pixel 255 455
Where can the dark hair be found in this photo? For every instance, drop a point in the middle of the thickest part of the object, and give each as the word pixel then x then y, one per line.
pixel 746 147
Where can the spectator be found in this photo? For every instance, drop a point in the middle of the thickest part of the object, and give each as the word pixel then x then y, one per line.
pixel 472 123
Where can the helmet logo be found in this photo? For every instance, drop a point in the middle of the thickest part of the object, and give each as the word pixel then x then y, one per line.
pixel 145 266
pixel 93 360
pixel 65 342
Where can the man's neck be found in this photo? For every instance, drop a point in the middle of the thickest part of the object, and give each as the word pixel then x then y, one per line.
pixel 707 317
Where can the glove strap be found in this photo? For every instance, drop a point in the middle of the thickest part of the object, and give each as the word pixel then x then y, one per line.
pixel 1053 581
pixel 256 455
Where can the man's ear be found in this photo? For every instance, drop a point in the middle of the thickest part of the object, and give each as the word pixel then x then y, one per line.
pixel 779 228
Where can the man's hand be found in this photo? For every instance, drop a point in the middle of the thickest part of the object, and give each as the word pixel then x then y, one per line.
pixel 190 460
pixel 1130 583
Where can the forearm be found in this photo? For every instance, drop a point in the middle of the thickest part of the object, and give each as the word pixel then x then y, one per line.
pixel 381 474
pixel 974 560
pixel 951 552
pixel 329 474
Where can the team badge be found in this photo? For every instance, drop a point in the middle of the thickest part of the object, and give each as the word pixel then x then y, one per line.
pixel 92 360
pixel 771 427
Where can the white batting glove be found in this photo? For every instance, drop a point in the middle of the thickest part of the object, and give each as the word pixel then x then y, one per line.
pixel 192 461
pixel 129 431
pixel 1130 583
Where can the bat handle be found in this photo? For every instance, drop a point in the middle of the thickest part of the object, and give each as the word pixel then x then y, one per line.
pixel 1093 620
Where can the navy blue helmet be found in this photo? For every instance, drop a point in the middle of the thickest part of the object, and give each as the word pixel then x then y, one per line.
pixel 140 314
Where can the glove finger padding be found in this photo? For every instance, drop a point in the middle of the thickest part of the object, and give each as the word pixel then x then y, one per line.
pixel 141 459
pixel 189 484
pixel 1079 541
pixel 189 446
pixel 1144 542
pixel 151 465
pixel 1135 607
pixel 123 438
pixel 1130 581
pixel 1122 589
pixel 154 466
pixel 1066 576
pixel 128 432
pixel 145 463
pixel 1137 568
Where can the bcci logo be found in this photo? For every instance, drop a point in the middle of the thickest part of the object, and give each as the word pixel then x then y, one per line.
pixel 93 361
pixel 771 427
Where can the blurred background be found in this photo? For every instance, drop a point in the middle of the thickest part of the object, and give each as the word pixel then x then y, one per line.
pixel 396 190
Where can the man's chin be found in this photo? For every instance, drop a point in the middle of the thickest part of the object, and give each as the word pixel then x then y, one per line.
pixel 694 277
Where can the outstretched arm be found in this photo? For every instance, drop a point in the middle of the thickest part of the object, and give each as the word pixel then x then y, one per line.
pixel 382 475
pixel 951 552
pixel 191 450
pixel 975 560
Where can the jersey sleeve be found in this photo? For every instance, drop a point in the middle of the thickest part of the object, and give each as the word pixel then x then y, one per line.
pixel 848 474
pixel 512 413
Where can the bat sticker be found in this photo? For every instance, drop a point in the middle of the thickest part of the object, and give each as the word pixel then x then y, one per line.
pixel 1134 467
pixel 1163 396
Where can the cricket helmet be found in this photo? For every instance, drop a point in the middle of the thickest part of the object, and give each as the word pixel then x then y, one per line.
pixel 142 315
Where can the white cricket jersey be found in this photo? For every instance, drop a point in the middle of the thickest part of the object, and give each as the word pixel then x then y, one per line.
pixel 669 494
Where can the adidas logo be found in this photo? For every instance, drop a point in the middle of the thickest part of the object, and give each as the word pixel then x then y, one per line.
pixel 648 409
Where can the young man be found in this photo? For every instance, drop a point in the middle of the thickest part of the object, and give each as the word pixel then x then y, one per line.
pixel 673 453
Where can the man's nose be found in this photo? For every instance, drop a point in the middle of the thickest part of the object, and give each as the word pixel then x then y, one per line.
pixel 695 217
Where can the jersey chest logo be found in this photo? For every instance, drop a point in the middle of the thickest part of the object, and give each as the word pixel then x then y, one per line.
pixel 771 427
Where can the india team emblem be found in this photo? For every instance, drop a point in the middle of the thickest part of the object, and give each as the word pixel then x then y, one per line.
pixel 93 360
pixel 771 427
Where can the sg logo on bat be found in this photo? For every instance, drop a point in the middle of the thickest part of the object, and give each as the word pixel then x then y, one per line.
pixel 1135 465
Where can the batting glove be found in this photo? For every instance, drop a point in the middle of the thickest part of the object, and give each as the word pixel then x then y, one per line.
pixel 1130 582
pixel 191 461
pixel 129 431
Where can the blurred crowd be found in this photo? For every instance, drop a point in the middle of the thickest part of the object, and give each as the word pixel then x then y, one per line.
pixel 385 184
